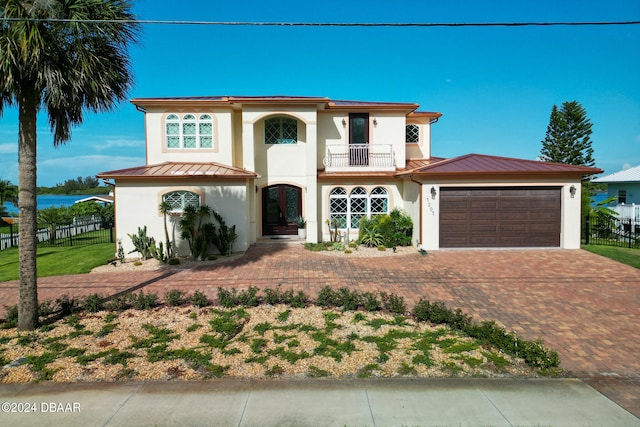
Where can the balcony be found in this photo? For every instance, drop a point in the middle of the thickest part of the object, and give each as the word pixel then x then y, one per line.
pixel 359 158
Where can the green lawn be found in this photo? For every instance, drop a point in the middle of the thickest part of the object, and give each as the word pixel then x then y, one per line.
pixel 624 255
pixel 53 261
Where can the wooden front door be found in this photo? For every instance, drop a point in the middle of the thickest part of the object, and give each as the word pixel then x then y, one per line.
pixel 281 205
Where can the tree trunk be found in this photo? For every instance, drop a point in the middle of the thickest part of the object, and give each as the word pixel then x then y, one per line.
pixel 27 205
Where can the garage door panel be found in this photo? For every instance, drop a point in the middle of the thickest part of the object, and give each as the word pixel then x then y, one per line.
pixel 483 216
pixel 500 217
pixel 483 205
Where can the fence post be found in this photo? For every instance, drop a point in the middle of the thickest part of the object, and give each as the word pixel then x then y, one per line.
pixel 629 232
pixel 586 229
pixel 11 235
pixel 111 234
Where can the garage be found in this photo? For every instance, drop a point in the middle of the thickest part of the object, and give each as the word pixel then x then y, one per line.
pixel 500 217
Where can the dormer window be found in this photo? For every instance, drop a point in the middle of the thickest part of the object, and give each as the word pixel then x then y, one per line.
pixel 412 134
pixel 280 130
pixel 189 131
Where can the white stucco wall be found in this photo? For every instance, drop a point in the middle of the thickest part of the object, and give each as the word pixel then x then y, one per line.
pixel 570 209
pixel 222 151
pixel 137 206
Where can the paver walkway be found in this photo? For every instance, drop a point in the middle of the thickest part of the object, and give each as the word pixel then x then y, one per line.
pixel 584 306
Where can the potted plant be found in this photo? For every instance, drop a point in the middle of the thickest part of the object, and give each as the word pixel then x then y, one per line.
pixel 302 224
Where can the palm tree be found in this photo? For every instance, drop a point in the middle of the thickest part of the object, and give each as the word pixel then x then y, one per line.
pixel 64 56
pixel 165 209
pixel 8 193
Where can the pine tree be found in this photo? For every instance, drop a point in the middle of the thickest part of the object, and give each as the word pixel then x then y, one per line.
pixel 568 137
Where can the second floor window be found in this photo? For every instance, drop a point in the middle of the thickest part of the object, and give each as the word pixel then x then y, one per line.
pixel 622 196
pixel 413 134
pixel 190 131
pixel 280 130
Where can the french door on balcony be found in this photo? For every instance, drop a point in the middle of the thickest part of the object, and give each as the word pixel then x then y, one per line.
pixel 281 205
pixel 358 139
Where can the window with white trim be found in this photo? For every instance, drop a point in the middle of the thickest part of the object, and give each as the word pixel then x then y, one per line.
pixel 379 201
pixel 181 199
pixel 622 197
pixel 280 130
pixel 412 134
pixel 189 131
pixel 348 210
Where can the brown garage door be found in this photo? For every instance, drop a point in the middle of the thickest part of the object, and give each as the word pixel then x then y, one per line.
pixel 500 217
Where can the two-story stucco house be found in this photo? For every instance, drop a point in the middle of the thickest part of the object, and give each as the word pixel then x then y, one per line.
pixel 263 161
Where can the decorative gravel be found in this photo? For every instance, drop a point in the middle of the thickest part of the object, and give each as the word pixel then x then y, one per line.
pixel 187 342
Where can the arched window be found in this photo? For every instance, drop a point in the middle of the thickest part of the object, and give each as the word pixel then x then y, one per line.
pixel 189 131
pixel 280 130
pixel 357 206
pixel 338 207
pixel 348 210
pixel 413 134
pixel 181 199
pixel 379 201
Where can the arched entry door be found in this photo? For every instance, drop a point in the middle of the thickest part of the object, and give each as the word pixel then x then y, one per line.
pixel 281 205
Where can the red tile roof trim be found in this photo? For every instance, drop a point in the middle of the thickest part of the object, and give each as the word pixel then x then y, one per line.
pixel 480 164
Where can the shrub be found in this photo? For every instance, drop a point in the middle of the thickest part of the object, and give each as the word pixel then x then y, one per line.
pixel 233 298
pixel 46 308
pixel 67 305
pixel 348 300
pixel 93 303
pixel 199 299
pixel 173 261
pixel 12 317
pixel 174 297
pixel 391 230
pixel 327 297
pixel 371 301
pixel 121 302
pixel 394 303
pixel 144 301
pixel 299 300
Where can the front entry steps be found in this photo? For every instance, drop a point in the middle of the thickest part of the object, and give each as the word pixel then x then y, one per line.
pixel 280 239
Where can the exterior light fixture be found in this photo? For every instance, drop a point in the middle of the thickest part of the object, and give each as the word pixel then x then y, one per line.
pixel 375 121
pixel 344 123
pixel 433 192
pixel 572 190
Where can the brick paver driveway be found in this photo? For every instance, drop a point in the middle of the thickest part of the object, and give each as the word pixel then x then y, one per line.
pixel 584 306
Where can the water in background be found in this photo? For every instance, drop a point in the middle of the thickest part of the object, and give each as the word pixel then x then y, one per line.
pixel 49 200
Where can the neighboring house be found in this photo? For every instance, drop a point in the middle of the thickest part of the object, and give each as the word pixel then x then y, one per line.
pixel 263 161
pixel 624 186
pixel 103 200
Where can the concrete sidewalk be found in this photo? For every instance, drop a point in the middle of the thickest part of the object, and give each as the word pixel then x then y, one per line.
pixel 396 402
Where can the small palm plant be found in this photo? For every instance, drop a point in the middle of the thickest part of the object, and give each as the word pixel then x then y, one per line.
pixel 371 237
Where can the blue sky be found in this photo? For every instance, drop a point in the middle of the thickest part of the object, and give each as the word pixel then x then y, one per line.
pixel 495 86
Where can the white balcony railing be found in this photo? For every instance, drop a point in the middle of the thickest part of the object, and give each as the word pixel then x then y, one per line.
pixel 353 157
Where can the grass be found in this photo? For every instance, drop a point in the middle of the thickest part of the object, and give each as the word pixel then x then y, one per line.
pixel 54 261
pixel 624 255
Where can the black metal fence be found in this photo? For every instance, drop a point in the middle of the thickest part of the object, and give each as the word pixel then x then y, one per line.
pixel 78 233
pixel 611 231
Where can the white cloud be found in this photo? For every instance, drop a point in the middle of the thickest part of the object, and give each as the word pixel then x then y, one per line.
pixel 109 144
pixel 626 166
pixel 8 148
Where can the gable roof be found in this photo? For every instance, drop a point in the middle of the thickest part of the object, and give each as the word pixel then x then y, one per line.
pixel 481 164
pixel 180 170
pixel 627 175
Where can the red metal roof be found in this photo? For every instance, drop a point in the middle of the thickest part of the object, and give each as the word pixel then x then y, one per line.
pixel 281 99
pixel 180 170
pixel 481 164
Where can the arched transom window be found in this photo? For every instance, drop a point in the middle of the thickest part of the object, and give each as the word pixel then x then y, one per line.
pixel 181 199
pixel 280 130
pixel 189 131
pixel 347 209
